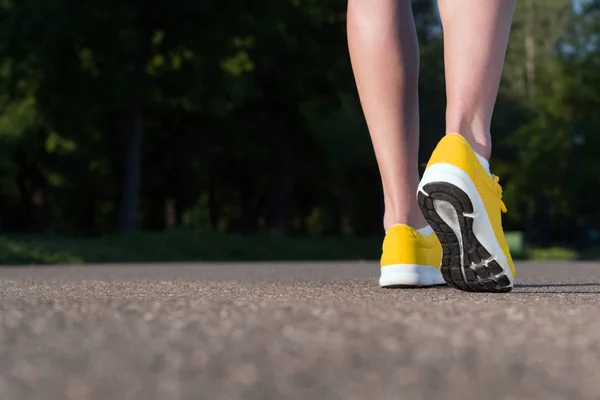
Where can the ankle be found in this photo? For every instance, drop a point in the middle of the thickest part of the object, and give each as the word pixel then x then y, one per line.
pixel 415 220
pixel 475 132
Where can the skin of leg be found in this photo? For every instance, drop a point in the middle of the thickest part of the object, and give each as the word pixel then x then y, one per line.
pixel 475 40
pixel 385 59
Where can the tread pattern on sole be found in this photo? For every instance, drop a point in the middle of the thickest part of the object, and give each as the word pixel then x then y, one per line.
pixel 482 273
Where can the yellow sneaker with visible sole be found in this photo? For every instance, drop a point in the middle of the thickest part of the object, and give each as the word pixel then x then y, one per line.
pixel 463 205
pixel 410 259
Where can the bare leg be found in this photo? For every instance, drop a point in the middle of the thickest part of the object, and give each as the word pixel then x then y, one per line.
pixel 475 40
pixel 385 59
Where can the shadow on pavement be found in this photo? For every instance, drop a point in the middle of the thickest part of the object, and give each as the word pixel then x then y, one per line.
pixel 564 288
pixel 556 285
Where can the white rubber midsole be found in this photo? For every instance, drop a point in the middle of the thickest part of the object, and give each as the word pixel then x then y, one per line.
pixel 482 228
pixel 410 275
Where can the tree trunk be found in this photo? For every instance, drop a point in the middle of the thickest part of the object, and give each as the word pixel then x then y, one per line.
pixel 133 137
pixel 248 222
pixel 170 214
pixel 281 197
pixel 87 223
pixel 530 48
pixel 132 178
pixel 213 207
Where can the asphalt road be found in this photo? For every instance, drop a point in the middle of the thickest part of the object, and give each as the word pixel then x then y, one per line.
pixel 293 331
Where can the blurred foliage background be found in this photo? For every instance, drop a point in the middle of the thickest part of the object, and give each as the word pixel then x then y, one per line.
pixel 189 125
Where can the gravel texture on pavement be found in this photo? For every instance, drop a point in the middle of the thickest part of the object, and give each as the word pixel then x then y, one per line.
pixel 293 331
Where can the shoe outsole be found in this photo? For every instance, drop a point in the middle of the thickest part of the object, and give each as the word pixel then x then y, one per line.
pixel 410 276
pixel 467 266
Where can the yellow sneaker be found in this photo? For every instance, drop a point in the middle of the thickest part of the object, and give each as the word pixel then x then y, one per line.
pixel 462 203
pixel 410 259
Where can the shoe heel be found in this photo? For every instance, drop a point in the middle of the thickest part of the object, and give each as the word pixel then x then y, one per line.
pixel 472 258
